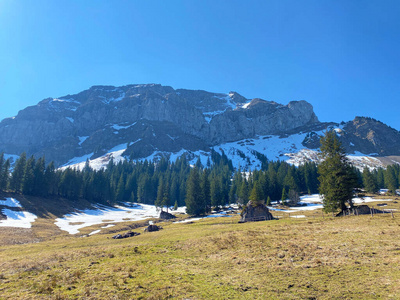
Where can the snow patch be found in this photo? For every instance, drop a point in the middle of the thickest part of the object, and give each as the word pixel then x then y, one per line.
pixel 100 162
pixel 70 119
pixel 19 219
pixel 100 214
pixel 119 127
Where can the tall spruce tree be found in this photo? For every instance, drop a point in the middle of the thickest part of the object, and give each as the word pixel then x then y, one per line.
pixel 5 177
pixel 18 173
pixel 256 195
pixel 194 197
pixel 369 181
pixel 337 179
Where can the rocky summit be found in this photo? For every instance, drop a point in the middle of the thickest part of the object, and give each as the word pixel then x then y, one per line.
pixel 146 120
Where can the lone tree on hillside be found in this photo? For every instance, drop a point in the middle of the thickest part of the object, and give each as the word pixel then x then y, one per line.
pixel 337 178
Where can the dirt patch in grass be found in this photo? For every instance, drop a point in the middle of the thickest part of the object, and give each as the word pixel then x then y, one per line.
pixel 15 236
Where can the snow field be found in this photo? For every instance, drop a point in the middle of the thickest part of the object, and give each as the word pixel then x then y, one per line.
pixel 106 214
pixel 19 219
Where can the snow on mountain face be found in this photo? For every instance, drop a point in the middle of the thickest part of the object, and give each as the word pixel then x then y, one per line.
pixel 245 154
pixel 151 120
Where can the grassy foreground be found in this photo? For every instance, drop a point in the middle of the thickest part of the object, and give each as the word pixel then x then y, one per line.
pixel 216 258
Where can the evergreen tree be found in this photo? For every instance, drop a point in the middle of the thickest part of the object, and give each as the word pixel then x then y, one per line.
pixel 28 180
pixel 284 196
pixel 244 192
pixel 337 179
pixel 4 173
pixel 206 189
pixel 160 194
pixel 256 195
pixel 194 200
pixel 166 199
pixel 120 192
pixel 39 180
pixel 391 180
pixel 216 192
pixel 18 173
pixel 369 181
pixel 268 201
pixel 2 160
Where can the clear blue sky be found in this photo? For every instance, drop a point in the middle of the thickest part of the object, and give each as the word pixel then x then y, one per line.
pixel 341 56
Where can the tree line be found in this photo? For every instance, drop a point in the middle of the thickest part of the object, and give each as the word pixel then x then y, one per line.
pixel 165 184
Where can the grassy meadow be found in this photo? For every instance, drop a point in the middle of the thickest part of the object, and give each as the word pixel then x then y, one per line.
pixel 317 257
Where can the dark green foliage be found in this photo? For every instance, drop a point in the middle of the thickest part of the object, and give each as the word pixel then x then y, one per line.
pixel 284 195
pixel 206 189
pixel 268 201
pixel 4 172
pixel 164 183
pixel 195 204
pixel 256 195
pixel 337 179
pixel 369 181
pixel 391 179
pixel 18 173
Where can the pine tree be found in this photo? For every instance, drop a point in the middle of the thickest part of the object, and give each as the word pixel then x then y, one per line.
pixel 369 181
pixel 391 180
pixel 194 200
pixel 2 160
pixel 337 179
pixel 284 196
pixel 256 195
pixel 120 192
pixel 39 183
pixel 4 172
pixel 160 194
pixel 5 177
pixel 244 192
pixel 18 173
pixel 206 189
pixel 28 180
pixel 268 201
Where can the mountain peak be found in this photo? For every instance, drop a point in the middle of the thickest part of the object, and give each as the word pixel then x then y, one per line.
pixel 142 119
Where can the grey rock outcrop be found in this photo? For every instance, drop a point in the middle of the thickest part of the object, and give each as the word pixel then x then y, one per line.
pixel 146 118
pixel 149 118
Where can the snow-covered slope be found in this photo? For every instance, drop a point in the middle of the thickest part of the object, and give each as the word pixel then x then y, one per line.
pixel 245 154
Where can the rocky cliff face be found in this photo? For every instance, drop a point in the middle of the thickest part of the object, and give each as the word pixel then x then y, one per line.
pixel 146 118
pixel 372 136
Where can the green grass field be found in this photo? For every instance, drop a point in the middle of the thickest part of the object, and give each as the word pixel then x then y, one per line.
pixel 356 257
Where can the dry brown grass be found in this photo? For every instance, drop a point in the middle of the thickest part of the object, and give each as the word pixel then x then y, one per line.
pixel 217 258
pixel 330 258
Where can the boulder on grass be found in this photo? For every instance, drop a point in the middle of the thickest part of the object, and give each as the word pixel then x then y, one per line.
pixel 255 212
pixel 166 215
pixel 152 228
pixel 125 235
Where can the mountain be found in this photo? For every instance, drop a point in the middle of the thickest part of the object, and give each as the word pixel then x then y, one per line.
pixel 147 120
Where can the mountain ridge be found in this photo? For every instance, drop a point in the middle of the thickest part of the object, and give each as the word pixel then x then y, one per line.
pixel 150 118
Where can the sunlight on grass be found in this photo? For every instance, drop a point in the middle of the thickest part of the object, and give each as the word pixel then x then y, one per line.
pixel 307 258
